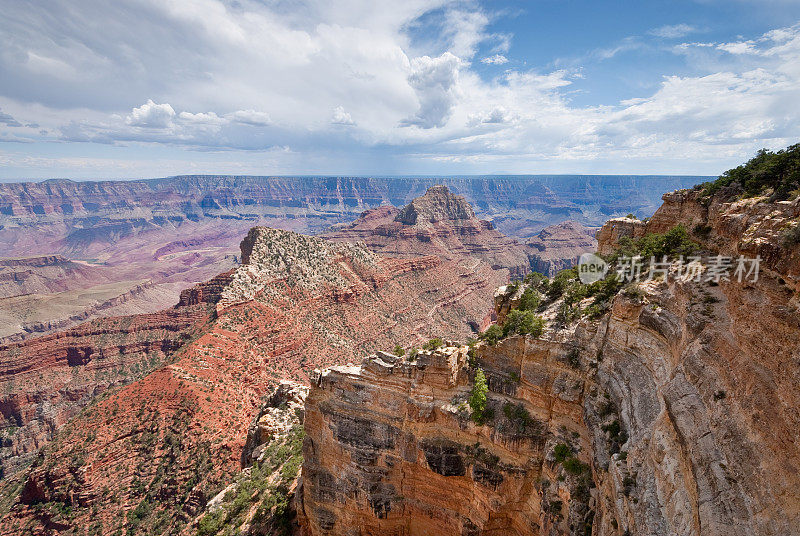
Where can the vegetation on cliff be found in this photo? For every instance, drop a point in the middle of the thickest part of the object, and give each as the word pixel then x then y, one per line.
pixel 776 174
pixel 261 497
pixel 477 398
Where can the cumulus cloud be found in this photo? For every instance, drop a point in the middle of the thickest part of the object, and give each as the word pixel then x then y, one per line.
pixel 151 115
pixel 497 59
pixel 674 31
pixel 340 117
pixel 435 82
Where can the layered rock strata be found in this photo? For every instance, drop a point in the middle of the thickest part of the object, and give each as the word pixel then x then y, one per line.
pixel 677 411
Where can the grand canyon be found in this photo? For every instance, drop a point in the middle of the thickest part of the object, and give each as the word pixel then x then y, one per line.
pixel 417 268
pixel 324 385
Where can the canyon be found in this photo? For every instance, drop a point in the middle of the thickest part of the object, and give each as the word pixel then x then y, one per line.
pixel 163 442
pixel 350 357
pixel 672 413
pixel 149 239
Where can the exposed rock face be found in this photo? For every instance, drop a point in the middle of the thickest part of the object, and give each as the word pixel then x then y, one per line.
pixel 609 235
pixel 682 401
pixel 284 408
pixel 438 204
pixel 390 448
pixel 558 247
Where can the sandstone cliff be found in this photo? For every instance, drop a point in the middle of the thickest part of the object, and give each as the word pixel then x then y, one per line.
pixel 673 413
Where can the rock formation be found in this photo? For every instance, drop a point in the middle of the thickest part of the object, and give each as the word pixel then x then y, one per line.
pixel 47 380
pixel 674 413
pixel 166 444
pixel 174 232
pixel 437 223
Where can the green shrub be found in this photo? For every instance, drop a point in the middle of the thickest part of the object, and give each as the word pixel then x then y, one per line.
pixel 790 237
pixel 523 323
pixel 492 335
pixel 574 466
pixel 560 282
pixel 433 344
pixel 519 417
pixel 778 172
pixel 398 351
pixel 477 397
pixel 567 313
pixel 561 452
pixel 538 281
pixel 530 300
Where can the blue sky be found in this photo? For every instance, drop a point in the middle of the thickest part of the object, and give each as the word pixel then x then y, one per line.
pixel 146 88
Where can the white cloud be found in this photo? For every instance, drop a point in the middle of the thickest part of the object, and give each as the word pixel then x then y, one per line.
pixel 255 76
pixel 250 117
pixel 202 118
pixel 674 31
pixel 151 115
pixel 435 82
pixel 742 47
pixel 497 59
pixel 340 117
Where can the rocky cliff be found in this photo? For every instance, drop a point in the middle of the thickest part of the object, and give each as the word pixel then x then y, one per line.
pixel 673 413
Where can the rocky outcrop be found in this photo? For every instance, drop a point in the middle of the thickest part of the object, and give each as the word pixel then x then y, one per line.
pixel 674 413
pixel 437 223
pixel 390 447
pixel 614 229
pixel 437 205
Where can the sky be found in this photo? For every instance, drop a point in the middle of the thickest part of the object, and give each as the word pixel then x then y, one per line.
pixel 150 88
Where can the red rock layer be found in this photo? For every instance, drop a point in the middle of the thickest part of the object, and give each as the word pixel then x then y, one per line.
pixel 168 442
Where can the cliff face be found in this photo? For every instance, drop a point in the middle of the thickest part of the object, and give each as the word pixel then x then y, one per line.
pixel 674 413
pixel 390 448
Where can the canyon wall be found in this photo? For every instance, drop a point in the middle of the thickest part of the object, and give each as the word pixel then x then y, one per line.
pixel 673 413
